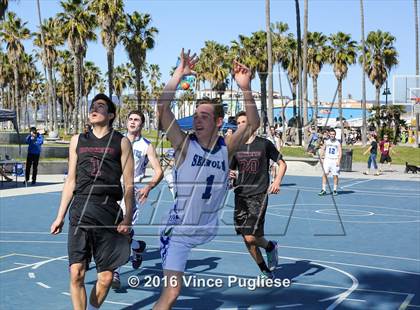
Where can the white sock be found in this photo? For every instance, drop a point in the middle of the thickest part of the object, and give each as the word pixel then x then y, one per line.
pixel 90 307
pixel 135 244
pixel 324 187
pixel 335 187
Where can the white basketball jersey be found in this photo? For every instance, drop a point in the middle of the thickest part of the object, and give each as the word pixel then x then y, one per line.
pixel 331 149
pixel 140 146
pixel 200 188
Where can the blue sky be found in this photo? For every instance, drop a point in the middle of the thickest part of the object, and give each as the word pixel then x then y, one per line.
pixel 189 23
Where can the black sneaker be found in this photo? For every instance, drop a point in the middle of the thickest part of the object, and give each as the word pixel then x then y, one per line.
pixel 116 283
pixel 335 193
pixel 33 182
pixel 136 259
pixel 322 193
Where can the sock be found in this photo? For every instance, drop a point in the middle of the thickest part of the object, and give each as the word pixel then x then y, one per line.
pixel 335 187
pixel 270 246
pixel 324 187
pixel 90 307
pixel 263 267
pixel 135 244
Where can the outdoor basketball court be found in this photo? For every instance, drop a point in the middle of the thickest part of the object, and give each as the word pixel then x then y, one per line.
pixel 366 256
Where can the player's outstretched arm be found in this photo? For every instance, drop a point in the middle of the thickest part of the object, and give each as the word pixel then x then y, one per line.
pixel 127 164
pixel 143 193
pixel 242 76
pixel 166 117
pixel 69 186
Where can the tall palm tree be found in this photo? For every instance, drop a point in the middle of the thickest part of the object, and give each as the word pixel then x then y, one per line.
pixel 6 77
pixel 213 61
pixel 48 38
pixel 290 65
pixel 28 73
pixel 317 57
pixel 13 32
pixel 78 25
pixel 305 68
pixel 416 25
pixel 269 62
pixel 66 89
pixel 342 55
pixel 110 14
pixel 92 75
pixel 3 7
pixel 138 37
pixel 381 56
pixel 252 51
pixel 364 123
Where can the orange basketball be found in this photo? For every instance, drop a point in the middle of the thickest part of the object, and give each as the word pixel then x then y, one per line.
pixel 185 85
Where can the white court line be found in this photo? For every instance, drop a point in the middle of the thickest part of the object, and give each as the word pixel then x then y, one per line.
pixel 106 301
pixel 30 241
pixel 414 306
pixel 39 264
pixel 357 300
pixel 291 305
pixel 347 221
pixel 31 275
pixel 359 182
pixel 406 302
pixel 31 265
pixel 43 285
pixel 8 255
pixel 21 264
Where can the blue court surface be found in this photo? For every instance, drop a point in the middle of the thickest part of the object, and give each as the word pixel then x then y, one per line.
pixel 360 250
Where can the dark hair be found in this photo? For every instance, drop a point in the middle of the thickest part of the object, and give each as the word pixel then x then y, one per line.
pixel 331 130
pixel 239 114
pixel 217 104
pixel 111 106
pixel 137 112
pixel 33 129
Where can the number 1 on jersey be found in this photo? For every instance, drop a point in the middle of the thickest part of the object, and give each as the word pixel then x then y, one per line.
pixel 207 193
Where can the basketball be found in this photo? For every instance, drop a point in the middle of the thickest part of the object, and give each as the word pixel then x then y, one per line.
pixel 185 85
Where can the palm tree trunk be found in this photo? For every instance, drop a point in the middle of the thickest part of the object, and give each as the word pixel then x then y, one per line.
pixel 270 63
pixel 305 69
pixel 263 85
pixel 16 93
pixel 299 57
pixel 138 89
pixel 340 108
pixel 417 67
pixel 54 98
pixel 377 96
pixel 315 92
pixel 110 59
pixel 364 123
pixel 76 79
pixel 36 113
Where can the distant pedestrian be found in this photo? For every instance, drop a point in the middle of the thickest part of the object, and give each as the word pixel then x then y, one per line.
pixel 35 140
pixel 373 150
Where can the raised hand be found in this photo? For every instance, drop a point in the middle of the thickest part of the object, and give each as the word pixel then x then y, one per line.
pixel 186 64
pixel 242 75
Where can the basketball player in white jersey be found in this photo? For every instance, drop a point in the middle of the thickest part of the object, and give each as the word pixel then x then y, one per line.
pixel 331 154
pixel 200 174
pixel 143 152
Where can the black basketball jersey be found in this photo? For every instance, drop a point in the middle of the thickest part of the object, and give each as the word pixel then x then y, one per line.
pixel 99 168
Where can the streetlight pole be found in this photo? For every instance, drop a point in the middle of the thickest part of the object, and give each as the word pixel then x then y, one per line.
pixel 386 92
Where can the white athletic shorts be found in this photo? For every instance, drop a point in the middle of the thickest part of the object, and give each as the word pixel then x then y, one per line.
pixel 174 253
pixel 330 166
pixel 136 205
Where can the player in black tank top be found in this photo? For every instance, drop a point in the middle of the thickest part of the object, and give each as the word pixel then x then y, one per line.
pixel 97 160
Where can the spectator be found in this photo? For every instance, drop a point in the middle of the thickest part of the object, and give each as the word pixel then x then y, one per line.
pixel 35 140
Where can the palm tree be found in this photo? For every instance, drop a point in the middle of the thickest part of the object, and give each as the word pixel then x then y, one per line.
pixel 110 14
pixel 269 62
pixel 6 76
pixel 66 87
pixel 317 57
pixel 213 60
pixel 305 68
pixel 92 75
pixel 416 25
pixel 252 51
pixel 138 37
pixel 78 25
pixel 341 55
pixel 364 123
pixel 290 65
pixel 48 38
pixel 28 73
pixel 381 56
pixel 3 7
pixel 13 32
